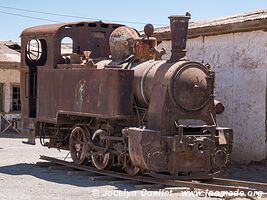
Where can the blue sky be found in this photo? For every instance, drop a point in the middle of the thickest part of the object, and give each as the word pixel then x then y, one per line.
pixel 143 11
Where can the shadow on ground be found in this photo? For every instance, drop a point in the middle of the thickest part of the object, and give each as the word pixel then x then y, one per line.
pixel 59 176
pixel 252 172
pixel 255 172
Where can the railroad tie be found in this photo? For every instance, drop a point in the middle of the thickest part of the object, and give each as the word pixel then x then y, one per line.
pixel 80 173
pixel 124 182
pixel 46 164
pixel 58 167
pixel 176 189
pixel 148 186
pixel 101 178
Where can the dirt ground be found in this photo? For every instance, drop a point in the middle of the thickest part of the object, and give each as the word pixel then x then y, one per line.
pixel 22 179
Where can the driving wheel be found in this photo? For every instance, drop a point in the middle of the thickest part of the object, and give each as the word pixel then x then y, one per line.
pixel 78 145
pixel 100 158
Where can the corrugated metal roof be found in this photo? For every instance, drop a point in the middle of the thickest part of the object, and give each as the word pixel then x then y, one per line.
pixel 243 22
pixel 8 52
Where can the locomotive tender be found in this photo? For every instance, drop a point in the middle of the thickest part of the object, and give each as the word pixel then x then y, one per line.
pixel 113 102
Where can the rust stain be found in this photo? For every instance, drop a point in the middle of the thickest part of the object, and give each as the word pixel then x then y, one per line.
pixel 79 95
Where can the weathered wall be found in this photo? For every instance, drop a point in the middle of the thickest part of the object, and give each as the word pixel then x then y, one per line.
pixel 9 77
pixel 239 60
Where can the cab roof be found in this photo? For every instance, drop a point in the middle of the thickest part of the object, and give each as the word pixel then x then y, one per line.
pixel 54 28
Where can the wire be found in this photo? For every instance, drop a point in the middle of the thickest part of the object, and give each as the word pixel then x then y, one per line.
pixel 29 17
pixel 73 16
pixel 46 13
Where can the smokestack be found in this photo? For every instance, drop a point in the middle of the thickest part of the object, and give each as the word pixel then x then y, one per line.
pixel 179 26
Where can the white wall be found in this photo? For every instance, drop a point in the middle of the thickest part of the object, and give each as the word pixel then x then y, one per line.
pixel 9 77
pixel 240 63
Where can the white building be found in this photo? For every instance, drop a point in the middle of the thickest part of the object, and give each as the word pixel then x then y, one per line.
pixel 10 104
pixel 236 48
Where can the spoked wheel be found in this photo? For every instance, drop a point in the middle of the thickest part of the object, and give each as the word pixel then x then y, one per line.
pixel 78 145
pixel 100 160
pixel 130 168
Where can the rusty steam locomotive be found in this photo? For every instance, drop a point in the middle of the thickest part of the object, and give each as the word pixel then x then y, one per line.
pixel 113 102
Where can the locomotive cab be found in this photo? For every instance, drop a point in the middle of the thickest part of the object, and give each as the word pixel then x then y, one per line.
pixel 43 51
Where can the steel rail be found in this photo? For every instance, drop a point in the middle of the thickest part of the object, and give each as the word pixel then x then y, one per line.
pixel 248 184
pixel 214 184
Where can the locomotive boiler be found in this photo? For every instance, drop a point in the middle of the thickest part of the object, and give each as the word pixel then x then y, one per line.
pixel 113 102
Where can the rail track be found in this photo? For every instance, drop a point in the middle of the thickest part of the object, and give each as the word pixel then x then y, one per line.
pixel 215 184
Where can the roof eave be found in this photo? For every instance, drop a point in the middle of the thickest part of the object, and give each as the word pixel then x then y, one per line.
pixel 207 30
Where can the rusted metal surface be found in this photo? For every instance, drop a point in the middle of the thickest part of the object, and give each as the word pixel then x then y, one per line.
pixel 179 26
pixel 122 43
pixel 96 91
pixel 219 107
pixel 77 145
pixel 144 49
pixel 149 30
pixel 195 151
pixel 133 110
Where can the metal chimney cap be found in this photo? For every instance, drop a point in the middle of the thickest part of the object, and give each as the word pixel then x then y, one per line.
pixel 179 17
pixel 186 16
